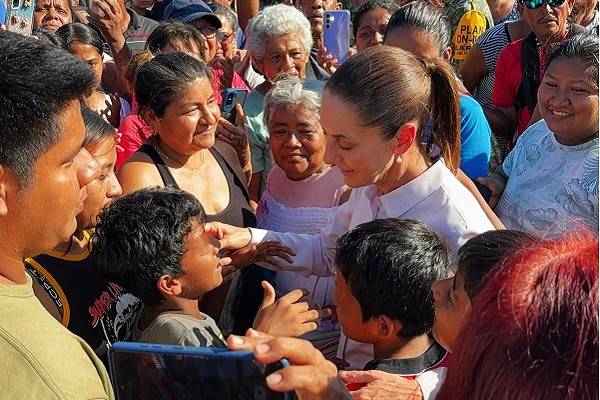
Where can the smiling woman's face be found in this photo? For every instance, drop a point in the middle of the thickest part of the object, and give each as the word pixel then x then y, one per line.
pixel 568 101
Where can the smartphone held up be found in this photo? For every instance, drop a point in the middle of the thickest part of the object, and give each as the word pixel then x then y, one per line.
pixel 336 33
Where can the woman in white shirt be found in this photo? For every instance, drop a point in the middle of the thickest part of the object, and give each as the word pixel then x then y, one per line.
pixel 372 111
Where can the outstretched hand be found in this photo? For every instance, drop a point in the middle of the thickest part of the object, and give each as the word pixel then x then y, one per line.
pixel 310 375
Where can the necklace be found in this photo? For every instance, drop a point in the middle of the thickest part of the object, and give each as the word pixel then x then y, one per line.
pixel 163 155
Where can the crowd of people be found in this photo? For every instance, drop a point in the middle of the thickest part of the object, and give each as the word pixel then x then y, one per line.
pixel 419 221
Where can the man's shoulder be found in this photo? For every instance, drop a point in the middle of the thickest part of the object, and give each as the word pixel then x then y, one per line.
pixel 50 363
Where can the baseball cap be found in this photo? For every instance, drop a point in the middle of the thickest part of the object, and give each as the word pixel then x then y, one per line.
pixel 191 10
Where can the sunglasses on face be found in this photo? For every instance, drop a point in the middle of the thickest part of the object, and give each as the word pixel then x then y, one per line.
pixel 533 4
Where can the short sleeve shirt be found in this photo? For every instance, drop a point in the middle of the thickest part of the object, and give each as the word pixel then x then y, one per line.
pixel 258 134
pixel 551 187
pixel 183 330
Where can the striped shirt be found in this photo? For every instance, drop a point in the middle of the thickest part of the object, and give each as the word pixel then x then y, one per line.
pixel 491 43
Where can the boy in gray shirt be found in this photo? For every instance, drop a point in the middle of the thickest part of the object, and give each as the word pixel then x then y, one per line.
pixel 152 242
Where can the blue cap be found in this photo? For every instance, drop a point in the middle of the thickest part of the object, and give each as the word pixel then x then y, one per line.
pixel 191 10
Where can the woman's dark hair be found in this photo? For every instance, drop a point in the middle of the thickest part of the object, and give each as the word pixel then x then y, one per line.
pixel 77 32
pixel 389 87
pixel 480 254
pixel 426 18
pixel 175 32
pixel 47 37
pixel 96 128
pixel 532 334
pixel 583 47
pixel 389 5
pixel 161 79
pixel 142 236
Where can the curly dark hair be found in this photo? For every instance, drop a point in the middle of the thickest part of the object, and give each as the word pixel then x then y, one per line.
pixel 141 236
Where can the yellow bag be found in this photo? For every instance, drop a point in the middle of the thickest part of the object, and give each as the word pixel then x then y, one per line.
pixel 471 25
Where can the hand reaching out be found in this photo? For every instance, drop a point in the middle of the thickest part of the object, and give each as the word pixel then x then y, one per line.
pixel 310 375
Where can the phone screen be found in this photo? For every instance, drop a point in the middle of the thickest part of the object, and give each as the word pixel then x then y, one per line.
pixel 161 376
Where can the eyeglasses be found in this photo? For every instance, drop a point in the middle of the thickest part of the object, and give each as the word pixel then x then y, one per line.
pixel 224 37
pixel 208 32
pixel 533 4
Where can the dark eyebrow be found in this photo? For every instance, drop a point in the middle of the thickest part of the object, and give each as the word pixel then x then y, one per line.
pixel 582 80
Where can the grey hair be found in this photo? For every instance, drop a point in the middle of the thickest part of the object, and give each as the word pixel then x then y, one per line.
pixel 226 12
pixel 275 21
pixel 290 92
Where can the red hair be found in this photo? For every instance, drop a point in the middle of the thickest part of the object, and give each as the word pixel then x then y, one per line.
pixel 533 330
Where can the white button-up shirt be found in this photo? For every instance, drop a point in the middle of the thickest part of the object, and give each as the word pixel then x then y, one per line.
pixel 435 197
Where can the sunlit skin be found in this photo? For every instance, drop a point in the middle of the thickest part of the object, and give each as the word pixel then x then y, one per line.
pixel 297 141
pixel 284 55
pixel 90 55
pixel 52 14
pixel 351 146
pixel 548 23
pixel 568 101
pixel 59 183
pixel 104 188
pixel 201 264
pixel 452 306
pixel 371 29
pixel 227 46
pixel 189 122
pixel 212 44
pixel 140 6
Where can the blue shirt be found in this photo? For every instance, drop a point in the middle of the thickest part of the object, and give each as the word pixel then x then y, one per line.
pixel 476 139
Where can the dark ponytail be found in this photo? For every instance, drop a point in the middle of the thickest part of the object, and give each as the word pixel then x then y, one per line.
pixel 389 87
pixel 444 112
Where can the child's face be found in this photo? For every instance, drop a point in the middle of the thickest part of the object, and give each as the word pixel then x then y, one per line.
pixel 452 306
pixel 201 264
pixel 349 313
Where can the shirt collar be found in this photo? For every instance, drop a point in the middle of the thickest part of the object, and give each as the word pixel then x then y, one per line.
pixel 400 200
pixel 134 24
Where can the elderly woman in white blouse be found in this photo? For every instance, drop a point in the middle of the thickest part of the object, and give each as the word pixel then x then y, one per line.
pixel 302 191
pixel 373 110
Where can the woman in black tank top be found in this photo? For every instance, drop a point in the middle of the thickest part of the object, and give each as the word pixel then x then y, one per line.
pixel 175 98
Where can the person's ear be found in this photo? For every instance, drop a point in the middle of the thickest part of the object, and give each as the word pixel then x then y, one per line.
pixel 447 55
pixel 258 65
pixel 151 119
pixel 168 285
pixel 387 328
pixel 3 192
pixel 406 135
pixel 338 5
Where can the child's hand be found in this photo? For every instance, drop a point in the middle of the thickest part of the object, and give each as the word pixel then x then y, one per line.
pixel 286 316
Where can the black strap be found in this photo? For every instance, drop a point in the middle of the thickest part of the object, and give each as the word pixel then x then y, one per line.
pixel 225 165
pixel 163 170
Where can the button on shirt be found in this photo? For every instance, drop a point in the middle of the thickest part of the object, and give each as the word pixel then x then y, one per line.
pixel 435 197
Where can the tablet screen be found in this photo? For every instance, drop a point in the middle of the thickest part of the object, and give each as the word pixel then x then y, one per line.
pixel 157 375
